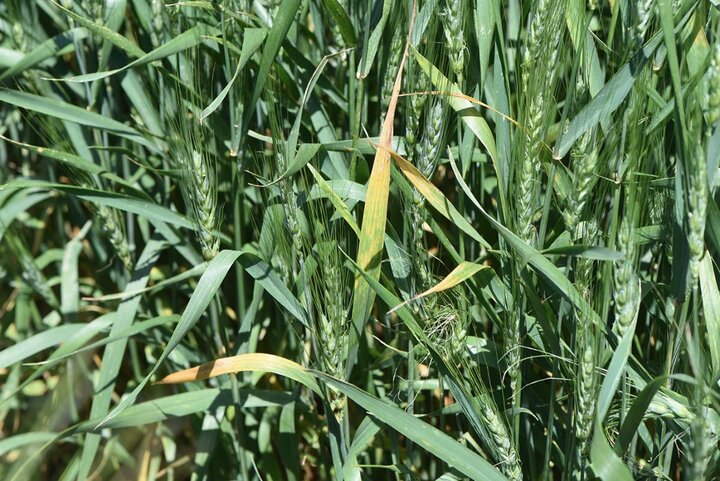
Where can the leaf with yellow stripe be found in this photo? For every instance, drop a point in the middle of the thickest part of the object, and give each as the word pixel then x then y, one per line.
pixel 253 362
pixel 436 198
pixel 528 254
pixel 372 234
pixel 464 271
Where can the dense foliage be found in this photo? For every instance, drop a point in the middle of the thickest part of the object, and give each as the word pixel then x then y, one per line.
pixel 344 239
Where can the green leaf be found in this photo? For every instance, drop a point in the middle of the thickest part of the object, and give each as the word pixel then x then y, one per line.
pixel 124 202
pixel 605 463
pixel 665 10
pixel 39 342
pixel 104 32
pixel 484 26
pixel 281 24
pixel 371 48
pixel 342 21
pixel 18 441
pixel 344 189
pixel 305 153
pixel 292 140
pixel 204 293
pixel 711 309
pixel 65 111
pixel 9 57
pixel 636 414
pixel 137 328
pixel 114 354
pixel 67 345
pixel 75 161
pixel 427 12
pixel 615 372
pixel 184 404
pixel 114 17
pixel 17 203
pixel 70 281
pixel 141 98
pixel 263 273
pixel 184 41
pixel 335 199
pixel 57 45
pixel 421 433
pixel 184 275
pixel 252 39
pixel 364 435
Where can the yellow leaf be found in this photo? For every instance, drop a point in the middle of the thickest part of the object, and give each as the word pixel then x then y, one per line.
pixel 372 235
pixel 242 363
pixel 464 271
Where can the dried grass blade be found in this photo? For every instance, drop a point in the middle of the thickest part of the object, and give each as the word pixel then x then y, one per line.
pixel 372 234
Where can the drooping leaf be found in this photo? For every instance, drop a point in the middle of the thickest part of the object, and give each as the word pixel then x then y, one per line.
pixel 252 40
pixel 72 113
pixel 372 234
pixel 184 41
pixel 464 271
pixel 57 45
pixel 104 32
pixel 422 433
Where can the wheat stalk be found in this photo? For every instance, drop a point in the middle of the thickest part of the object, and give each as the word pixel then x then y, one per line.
pixel 663 406
pixel 541 45
pixel 415 108
pixel 392 67
pixel 112 226
pixel 30 273
pixel 156 34
pixel 626 283
pixel 507 456
pixel 713 93
pixel 697 208
pixel 332 317
pixel 433 134
pixel 110 220
pixel 203 198
pixel 428 154
pixel 644 15
pixel 698 449
pixel 585 163
pixel 453 16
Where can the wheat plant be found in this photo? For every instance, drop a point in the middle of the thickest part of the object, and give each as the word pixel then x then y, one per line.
pixel 355 240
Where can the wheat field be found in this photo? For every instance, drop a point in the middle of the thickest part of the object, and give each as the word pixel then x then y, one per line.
pixel 359 240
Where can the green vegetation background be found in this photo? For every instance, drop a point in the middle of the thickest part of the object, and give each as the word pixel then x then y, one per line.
pixel 356 239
